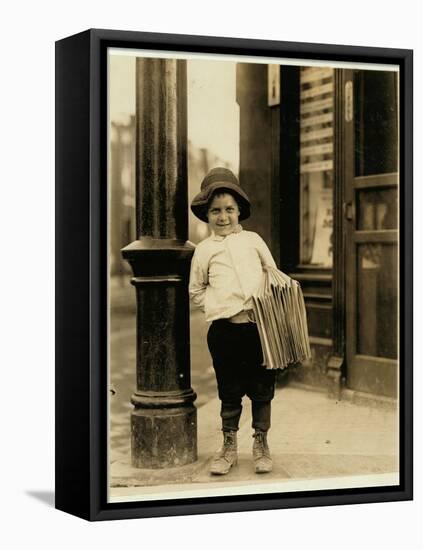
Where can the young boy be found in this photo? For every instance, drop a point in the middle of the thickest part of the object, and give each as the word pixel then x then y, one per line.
pixel 226 269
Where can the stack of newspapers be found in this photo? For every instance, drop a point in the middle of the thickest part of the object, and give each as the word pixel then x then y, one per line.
pixel 281 319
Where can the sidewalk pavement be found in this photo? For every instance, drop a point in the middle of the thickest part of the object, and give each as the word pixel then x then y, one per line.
pixel 315 442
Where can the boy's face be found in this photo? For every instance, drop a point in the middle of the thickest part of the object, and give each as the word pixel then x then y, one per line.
pixel 223 214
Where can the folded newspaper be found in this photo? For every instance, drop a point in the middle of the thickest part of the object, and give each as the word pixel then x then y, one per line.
pixel 281 319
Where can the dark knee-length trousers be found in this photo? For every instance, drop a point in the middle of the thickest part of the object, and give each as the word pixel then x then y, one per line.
pixel 237 360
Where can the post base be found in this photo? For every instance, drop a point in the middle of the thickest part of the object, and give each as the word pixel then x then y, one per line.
pixel 164 438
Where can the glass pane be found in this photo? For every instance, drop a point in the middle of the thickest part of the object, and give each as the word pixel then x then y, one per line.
pixel 376 122
pixel 377 209
pixel 377 308
pixel 316 165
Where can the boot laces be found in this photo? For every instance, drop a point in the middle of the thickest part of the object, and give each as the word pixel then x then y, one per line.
pixel 228 444
pixel 229 439
pixel 260 444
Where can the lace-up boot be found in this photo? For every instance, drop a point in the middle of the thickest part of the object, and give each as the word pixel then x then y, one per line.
pixel 227 456
pixel 261 453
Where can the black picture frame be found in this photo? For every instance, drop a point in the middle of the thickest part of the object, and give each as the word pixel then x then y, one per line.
pixel 81 273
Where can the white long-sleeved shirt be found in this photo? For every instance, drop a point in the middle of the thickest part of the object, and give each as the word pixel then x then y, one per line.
pixel 226 271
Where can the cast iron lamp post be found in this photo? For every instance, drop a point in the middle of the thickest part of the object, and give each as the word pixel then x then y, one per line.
pixel 164 419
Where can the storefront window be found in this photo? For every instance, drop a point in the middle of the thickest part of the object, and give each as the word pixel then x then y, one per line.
pixel 316 165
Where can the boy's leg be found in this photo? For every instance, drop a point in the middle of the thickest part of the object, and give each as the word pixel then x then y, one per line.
pixel 261 390
pixel 261 424
pixel 260 383
pixel 261 413
pixel 223 344
pixel 230 412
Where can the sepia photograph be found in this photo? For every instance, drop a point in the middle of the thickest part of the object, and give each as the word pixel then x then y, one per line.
pixel 253 310
pixel 209 267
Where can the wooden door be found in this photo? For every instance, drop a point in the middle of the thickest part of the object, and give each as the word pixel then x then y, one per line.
pixel 371 211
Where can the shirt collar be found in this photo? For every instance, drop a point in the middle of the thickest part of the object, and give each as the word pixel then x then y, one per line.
pixel 236 229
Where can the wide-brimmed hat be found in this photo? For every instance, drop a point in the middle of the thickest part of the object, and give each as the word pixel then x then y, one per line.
pixel 220 179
